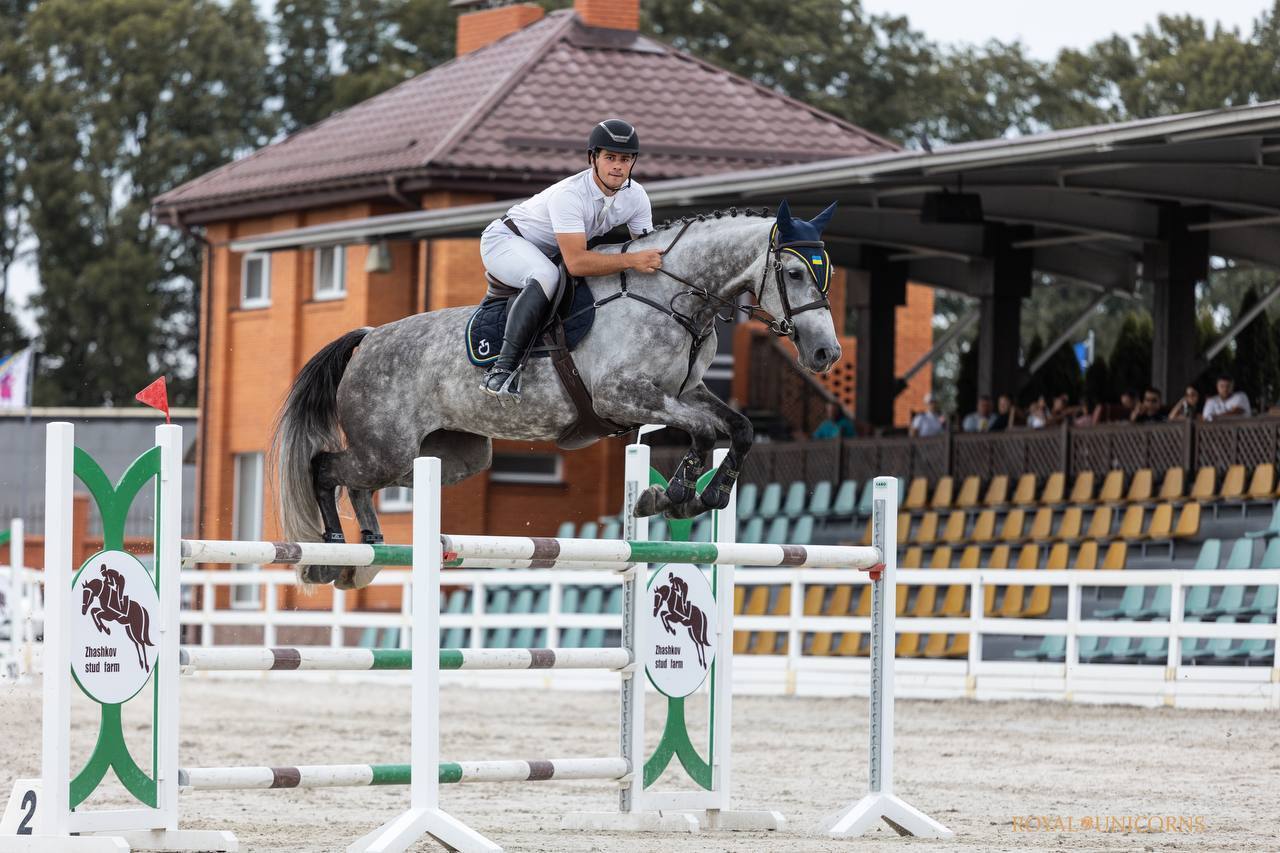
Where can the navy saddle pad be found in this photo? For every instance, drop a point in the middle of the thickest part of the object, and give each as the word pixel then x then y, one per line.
pixel 484 329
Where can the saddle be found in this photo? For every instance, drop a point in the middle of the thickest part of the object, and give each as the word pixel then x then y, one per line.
pixel 570 318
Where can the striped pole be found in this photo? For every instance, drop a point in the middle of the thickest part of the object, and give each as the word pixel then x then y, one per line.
pixel 540 551
pixel 362 775
pixel 223 659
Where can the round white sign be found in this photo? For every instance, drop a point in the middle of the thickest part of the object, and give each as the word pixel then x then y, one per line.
pixel 115 613
pixel 680 639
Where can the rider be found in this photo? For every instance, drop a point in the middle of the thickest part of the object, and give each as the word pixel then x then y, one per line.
pixel 113 598
pixel 519 248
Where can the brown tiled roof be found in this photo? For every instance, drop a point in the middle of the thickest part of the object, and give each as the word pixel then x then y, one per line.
pixel 520 109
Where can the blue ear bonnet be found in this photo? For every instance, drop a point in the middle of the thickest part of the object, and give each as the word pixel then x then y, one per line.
pixel 803 238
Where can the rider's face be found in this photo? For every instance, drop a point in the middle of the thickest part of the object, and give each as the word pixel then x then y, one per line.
pixel 613 168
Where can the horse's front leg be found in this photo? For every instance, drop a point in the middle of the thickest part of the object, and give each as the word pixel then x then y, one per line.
pixel 96 614
pixel 639 400
pixel 741 436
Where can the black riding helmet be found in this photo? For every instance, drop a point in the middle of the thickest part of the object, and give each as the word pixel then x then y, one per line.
pixel 615 135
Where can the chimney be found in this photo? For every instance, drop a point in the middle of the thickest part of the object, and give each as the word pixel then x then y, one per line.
pixel 610 14
pixel 491 21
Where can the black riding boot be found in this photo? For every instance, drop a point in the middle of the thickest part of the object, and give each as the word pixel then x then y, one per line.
pixel 524 319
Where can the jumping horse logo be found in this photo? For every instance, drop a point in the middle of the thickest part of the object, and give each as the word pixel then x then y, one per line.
pixel 671 599
pixel 114 606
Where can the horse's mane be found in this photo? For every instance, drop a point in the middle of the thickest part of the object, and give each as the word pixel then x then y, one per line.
pixel 673 224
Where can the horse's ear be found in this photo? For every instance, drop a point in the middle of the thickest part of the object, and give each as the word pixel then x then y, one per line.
pixel 820 221
pixel 784 215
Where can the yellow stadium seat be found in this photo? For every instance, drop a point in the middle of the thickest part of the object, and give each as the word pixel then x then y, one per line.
pixel 867 530
pixel 970 489
pixel 1131 523
pixel 913 558
pixel 865 600
pixel 1040 600
pixel 1117 553
pixel 1100 524
pixel 909 646
pixel 926 601
pixel 774 642
pixel 838 603
pixel 739 598
pixel 998 490
pixel 1161 522
pixel 1140 487
pixel 1025 493
pixel 1058 555
pixel 1087 556
pixel 958 647
pixel 927 532
pixel 1041 525
pixel 904 528
pixel 943 493
pixel 1188 522
pixel 917 494
pixel 1055 489
pixel 1028 560
pixel 1112 487
pixel 1011 530
pixel 999 559
pixel 852 645
pixel 984 528
pixel 971 557
pixel 1072 522
pixel 1262 485
pixel 941 558
pixel 813 598
pixel 953 601
pixel 1173 485
pixel 1203 488
pixel 1029 556
pixel 757 599
pixel 954 531
pixel 935 646
pixel 1233 483
pixel 1082 491
pixel 821 645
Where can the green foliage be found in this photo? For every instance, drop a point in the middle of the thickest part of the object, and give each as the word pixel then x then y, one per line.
pixel 1130 361
pixel 967 381
pixel 1097 382
pixel 1257 371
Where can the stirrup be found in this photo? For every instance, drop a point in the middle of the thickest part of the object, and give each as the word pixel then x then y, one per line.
pixel 508 391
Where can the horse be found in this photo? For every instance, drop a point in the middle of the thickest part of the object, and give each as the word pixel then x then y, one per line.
pixel 136 620
pixel 368 403
pixel 675 597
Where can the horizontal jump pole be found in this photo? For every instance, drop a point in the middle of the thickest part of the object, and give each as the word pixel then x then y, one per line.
pixel 362 775
pixel 216 659
pixel 542 552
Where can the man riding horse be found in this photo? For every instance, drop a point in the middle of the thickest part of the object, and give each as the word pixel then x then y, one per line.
pixel 519 249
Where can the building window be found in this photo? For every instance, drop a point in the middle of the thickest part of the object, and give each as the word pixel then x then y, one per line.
pixel 246 523
pixel 527 468
pixel 331 273
pixel 396 499
pixel 255 281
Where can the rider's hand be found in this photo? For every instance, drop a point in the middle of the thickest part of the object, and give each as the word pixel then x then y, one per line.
pixel 646 260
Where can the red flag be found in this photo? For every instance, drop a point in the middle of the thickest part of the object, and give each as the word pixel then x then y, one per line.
pixel 156 396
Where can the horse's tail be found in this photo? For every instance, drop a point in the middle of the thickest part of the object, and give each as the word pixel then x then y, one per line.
pixel 308 424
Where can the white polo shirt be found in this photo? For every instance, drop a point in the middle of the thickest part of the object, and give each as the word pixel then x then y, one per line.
pixel 1215 406
pixel 577 206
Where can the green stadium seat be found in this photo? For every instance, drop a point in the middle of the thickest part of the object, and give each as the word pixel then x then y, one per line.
pixel 846 503
pixel 1272 529
pixel 389 638
pixel 820 502
pixel 1271 556
pixel 457 602
pixel 1051 648
pixel 570 602
pixel 868 498
pixel 611 529
pixel 1230 602
pixel 589 530
pixel 593 638
pixel 1115 648
pixel 748 497
pixel 802 533
pixel 701 529
pixel 613 602
pixel 1130 603
pixel 565 530
pixel 369 638
pixel 658 529
pixel 1085 646
pixel 797 498
pixel 770 501
pixel 1159 607
pixel 1248 648
pixel 1197 603
pixel 1263 604
pixel 753 531
pixel 1190 647
pixel 524 638
pixel 1210 555
pixel 1241 555
pixel 593 604
pixel 1214 648
pixel 777 534
pixel 1150 650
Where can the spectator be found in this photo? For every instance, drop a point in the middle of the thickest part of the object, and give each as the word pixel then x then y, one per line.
pixel 1188 408
pixel 1088 413
pixel 1004 414
pixel 981 420
pixel 1151 409
pixel 837 424
pixel 1060 411
pixel 931 421
pixel 1229 403
pixel 1038 414
pixel 1123 410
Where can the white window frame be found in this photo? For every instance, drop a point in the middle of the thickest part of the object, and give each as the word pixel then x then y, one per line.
pixel 263 300
pixel 321 290
pixel 247 597
pixel 395 499
pixel 497 475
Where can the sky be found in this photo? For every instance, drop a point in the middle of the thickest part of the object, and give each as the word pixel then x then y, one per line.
pixel 1045 28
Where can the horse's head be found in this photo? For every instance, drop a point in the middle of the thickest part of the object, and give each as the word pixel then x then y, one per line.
pixel 89 591
pixel 660 594
pixel 795 285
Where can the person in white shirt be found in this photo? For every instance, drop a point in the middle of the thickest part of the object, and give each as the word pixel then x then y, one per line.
pixel 931 421
pixel 1227 404
pixel 518 248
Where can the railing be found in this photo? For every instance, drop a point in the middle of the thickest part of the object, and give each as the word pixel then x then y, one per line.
pixel 777 384
pixel 1128 447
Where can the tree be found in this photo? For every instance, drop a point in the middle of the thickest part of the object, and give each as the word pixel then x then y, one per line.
pixel 1257 358
pixel 1097 382
pixel 129 97
pixel 14 79
pixel 1130 361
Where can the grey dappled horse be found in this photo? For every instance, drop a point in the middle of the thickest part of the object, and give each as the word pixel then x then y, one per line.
pixel 368 403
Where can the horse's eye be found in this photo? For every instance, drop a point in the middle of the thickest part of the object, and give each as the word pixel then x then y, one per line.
pixel 794 275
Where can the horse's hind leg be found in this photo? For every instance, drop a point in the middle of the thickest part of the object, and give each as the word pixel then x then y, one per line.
pixel 357 577
pixel 326 485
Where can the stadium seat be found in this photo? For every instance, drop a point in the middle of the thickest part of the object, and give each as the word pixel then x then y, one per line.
pixel 1132 523
pixel 1041 525
pixel 1230 602
pixel 1158 608
pixel 1196 599
pixel 589 530
pixel 748 496
pixel 1214 648
pixel 954 532
pixel 1248 648
pixel 1140 487
pixel 611 529
pixel 941 558
pixel 802 533
pixel 998 491
pixel 1203 487
pixel 904 527
pixel 853 644
pixel 943 493
pixel 917 494
pixel 1025 493
pixel 1272 529
pixel 927 529
pixel 1271 556
pixel 1173 486
pixel 820 644
pixel 1112 487
pixel 1262 485
pixel 1051 648
pixel 1149 650
pixel 659 530
pixel 984 527
pixel 1233 484
pixel 846 503
pixel 1058 556
pixel 912 558
pixel 775 642
pixel 1262 604
pixel 868 498
pixel 565 530
pixel 1188 526
pixel 1115 647
pixel 755 600
pixel 1116 556
pixel 1087 556
pixel 998 559
pixel 1011 529
pixel 837 604
pixel 1161 526
pixel 770 501
pixel 814 596
pixel 1013 605
pixel 753 531
pixel 1069 526
pixel 1210 555
pixel 1100 524
pixel 776 533
pixel 970 557
pixel 797 499
pixel 820 502
pixel 1054 489
pixel 970 490
pixel 1082 490
pixel 953 601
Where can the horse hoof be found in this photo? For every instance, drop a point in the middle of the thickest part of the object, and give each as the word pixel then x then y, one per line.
pixel 320 574
pixel 652 501
pixel 355 577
